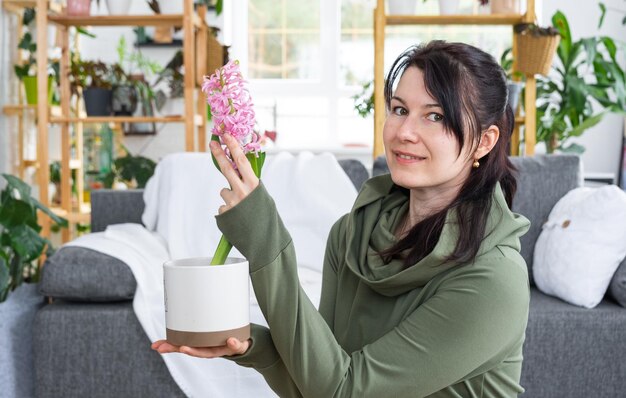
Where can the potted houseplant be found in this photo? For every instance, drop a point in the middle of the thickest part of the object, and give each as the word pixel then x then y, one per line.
pixel 21 247
pixel 587 76
pixel 139 71
pixel 95 79
pixel 172 76
pixel 26 71
pixel 206 299
pixel 536 46
pixel 131 171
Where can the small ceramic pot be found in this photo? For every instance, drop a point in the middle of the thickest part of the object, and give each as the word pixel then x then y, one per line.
pixel 505 6
pixel 206 304
pixel 118 7
pixel 78 7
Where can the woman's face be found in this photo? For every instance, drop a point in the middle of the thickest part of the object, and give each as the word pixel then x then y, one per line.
pixel 421 154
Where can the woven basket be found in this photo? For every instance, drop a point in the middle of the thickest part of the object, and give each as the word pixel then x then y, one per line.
pixel 215 55
pixel 535 52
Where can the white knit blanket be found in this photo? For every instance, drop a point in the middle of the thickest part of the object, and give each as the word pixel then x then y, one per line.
pixel 182 198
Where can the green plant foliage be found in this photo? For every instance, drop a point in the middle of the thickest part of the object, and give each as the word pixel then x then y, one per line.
pixel 364 101
pixel 588 73
pixel 134 170
pixel 20 242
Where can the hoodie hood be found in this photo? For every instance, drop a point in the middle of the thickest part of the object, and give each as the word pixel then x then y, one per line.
pixel 373 220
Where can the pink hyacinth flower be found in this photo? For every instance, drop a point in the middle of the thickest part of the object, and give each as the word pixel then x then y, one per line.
pixel 231 105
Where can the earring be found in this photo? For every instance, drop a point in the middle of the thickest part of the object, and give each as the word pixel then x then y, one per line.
pixel 475 164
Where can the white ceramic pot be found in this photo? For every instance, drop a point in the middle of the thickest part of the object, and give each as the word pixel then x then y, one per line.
pixel 505 6
pixel 401 7
pixel 206 304
pixel 118 7
pixel 515 90
pixel 448 7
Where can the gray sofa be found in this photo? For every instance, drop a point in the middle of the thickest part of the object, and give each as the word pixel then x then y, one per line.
pixel 88 342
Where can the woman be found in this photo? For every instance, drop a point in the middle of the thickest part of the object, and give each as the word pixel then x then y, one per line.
pixel 424 290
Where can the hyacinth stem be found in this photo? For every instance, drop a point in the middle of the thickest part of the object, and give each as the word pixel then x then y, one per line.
pixel 221 253
pixel 224 246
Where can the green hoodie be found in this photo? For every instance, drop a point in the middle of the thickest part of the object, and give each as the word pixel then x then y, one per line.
pixel 434 329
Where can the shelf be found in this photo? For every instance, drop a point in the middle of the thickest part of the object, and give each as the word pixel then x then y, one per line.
pixel 119 20
pixel 83 216
pixel 176 43
pixel 17 6
pixel 453 19
pixel 118 119
pixel 19 109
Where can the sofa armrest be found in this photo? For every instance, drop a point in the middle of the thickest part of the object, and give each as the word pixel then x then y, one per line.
pixel 114 207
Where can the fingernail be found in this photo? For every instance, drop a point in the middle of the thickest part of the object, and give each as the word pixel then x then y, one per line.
pixel 213 144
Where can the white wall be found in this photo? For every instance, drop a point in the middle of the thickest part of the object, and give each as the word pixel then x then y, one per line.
pixel 602 142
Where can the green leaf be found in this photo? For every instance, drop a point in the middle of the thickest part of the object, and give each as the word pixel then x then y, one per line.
pixel 610 46
pixel 26 41
pixel 27 243
pixel 256 162
pixel 16 212
pixel 602 14
pixel 219 6
pixel 573 148
pixel 559 21
pixel 82 31
pixel 29 16
pixel 586 124
pixel 15 183
pixel 21 71
pixel 215 138
pixel 590 45
pixel 59 220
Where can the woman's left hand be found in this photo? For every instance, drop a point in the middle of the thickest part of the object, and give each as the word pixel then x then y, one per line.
pixel 240 186
pixel 233 347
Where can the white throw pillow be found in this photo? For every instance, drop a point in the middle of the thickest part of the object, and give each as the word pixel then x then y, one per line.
pixel 581 245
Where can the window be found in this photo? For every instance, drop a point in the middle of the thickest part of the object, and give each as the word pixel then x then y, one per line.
pixel 306 59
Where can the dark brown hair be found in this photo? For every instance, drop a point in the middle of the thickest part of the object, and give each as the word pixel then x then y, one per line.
pixel 471 88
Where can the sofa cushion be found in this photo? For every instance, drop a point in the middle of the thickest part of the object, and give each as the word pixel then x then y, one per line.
pixel 581 245
pixel 80 274
pixel 568 344
pixel 617 287
pixel 541 181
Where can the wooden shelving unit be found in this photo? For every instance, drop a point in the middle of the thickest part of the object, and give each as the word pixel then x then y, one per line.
pixel 382 20
pixel 193 119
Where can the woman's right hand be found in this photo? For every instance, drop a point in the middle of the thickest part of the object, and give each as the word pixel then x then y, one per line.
pixel 233 347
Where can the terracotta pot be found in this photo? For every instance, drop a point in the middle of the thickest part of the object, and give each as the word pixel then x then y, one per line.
pixel 77 8
pixel 505 6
